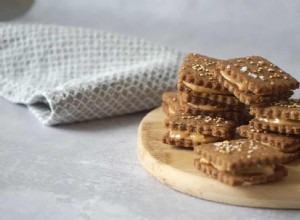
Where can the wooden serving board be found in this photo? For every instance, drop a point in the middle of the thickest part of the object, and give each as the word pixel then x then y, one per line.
pixel 174 168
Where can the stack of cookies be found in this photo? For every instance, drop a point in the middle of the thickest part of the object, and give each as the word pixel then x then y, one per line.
pixel 185 130
pixel 214 96
pixel 200 93
pixel 202 110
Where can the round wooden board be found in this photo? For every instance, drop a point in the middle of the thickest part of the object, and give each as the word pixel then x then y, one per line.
pixel 174 168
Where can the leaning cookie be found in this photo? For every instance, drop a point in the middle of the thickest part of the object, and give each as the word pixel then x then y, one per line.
pixel 284 143
pixel 255 80
pixel 241 162
pixel 171 104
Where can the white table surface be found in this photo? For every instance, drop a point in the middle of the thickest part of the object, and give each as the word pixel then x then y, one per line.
pixel 90 170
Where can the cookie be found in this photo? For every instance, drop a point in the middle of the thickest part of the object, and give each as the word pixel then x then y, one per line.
pixel 255 80
pixel 235 180
pixel 286 110
pixel 235 159
pixel 196 75
pixel 205 125
pixel 281 126
pixel 285 143
pixel 214 111
pixel 252 99
pixel 187 143
pixel 171 104
pixel 189 131
pixel 229 99
pixel 204 102
pixel 256 75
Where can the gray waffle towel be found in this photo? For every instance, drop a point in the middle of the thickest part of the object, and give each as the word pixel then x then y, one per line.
pixel 67 74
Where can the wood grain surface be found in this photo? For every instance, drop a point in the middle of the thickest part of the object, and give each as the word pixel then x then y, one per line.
pixel 174 168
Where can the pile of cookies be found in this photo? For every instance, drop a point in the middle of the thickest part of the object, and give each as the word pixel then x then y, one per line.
pixel 214 97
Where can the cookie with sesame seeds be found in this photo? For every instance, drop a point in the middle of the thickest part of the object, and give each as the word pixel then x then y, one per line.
pixel 282 126
pixel 201 101
pixel 238 179
pixel 195 75
pixel 171 104
pixel 252 99
pixel 186 143
pixel 214 111
pixel 284 143
pixel 286 109
pixel 256 75
pixel 241 158
pixel 255 80
pixel 199 128
pixel 228 99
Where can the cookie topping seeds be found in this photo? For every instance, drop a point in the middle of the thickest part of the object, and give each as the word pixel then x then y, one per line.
pixel 244 69
pixel 252 75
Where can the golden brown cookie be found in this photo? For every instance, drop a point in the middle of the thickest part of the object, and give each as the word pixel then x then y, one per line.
pixel 238 179
pixel 255 80
pixel 232 161
pixel 229 99
pixel 199 101
pixel 285 143
pixel 206 125
pixel 196 75
pixel 189 131
pixel 287 109
pixel 171 104
pixel 281 126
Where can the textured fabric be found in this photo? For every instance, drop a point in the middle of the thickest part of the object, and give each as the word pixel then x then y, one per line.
pixel 66 74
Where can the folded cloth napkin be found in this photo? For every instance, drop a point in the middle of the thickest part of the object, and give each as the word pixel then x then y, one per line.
pixel 67 74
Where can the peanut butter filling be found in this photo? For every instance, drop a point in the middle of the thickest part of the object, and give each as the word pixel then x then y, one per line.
pixel 172 111
pixel 267 169
pixel 193 136
pixel 229 78
pixel 278 121
pixel 203 89
pixel 207 107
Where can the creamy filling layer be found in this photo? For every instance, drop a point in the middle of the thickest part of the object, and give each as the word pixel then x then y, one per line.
pixel 172 111
pixel 207 107
pixel 280 121
pixel 267 169
pixel 193 136
pixel 204 89
pixel 229 78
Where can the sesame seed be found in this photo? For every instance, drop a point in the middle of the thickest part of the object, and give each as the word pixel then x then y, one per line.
pixel 262 77
pixel 259 63
pixel 244 69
